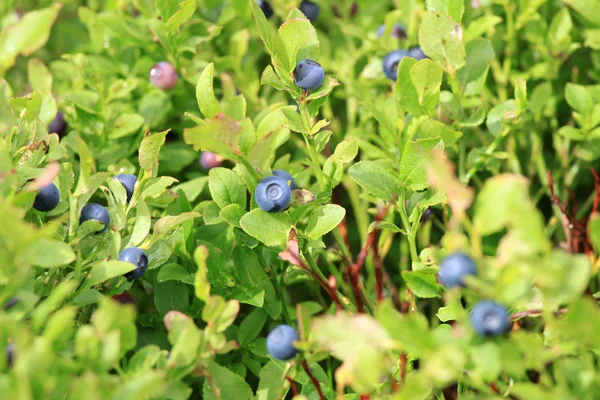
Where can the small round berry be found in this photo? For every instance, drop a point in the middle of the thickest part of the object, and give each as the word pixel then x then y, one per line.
pixel 417 53
pixel 266 8
pixel 391 61
pixel 137 257
pixel 489 318
pixel 58 124
pixel 47 198
pixel 310 10
pixel 309 75
pixel 128 181
pixel 398 31
pixel 455 268
pixel 10 303
pixel 426 214
pixel 124 298
pixel 280 342
pixel 273 194
pixel 210 160
pixel 163 75
pixel 283 174
pixel 96 212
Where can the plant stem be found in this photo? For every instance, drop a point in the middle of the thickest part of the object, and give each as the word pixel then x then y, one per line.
pixel 313 379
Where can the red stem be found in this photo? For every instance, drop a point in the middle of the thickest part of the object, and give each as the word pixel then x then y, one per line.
pixel 293 385
pixel 313 379
pixel 527 313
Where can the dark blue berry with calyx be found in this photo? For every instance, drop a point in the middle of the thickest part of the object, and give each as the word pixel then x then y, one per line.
pixel 58 124
pixel 137 257
pixel 96 212
pixel 273 194
pixel 391 61
pixel 309 75
pixel 489 318
pixel 47 198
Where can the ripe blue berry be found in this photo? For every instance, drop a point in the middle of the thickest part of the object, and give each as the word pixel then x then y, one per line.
pixel 310 9
pixel 426 214
pixel 391 61
pixel 398 31
pixel 283 174
pixel 163 75
pixel 489 318
pixel 58 124
pixel 47 198
pixel 417 53
pixel 309 75
pixel 273 194
pixel 97 212
pixel 280 342
pixel 137 257
pixel 210 160
pixel 455 268
pixel 266 8
pixel 128 181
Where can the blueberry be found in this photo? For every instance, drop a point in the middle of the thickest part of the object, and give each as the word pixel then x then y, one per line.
pixel 391 61
pixel 273 194
pixel 163 75
pixel 283 174
pixel 128 181
pixel 47 198
pixel 426 214
pixel 280 342
pixel 489 318
pixel 398 31
pixel 266 8
pixel 309 75
pixel 137 257
pixel 454 268
pixel 97 212
pixel 58 124
pixel 417 53
pixel 10 354
pixel 210 160
pixel 10 303
pixel 310 9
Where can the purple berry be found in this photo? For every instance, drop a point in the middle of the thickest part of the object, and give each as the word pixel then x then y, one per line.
pixel 163 75
pixel 58 124
pixel 398 31
pixel 309 75
pixel 210 160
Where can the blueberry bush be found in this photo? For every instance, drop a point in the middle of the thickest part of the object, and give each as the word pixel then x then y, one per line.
pixel 276 199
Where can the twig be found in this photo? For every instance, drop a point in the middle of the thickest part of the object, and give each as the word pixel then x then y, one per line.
pixel 313 379
pixel 528 313
pixel 403 362
pixel 378 272
pixel 293 385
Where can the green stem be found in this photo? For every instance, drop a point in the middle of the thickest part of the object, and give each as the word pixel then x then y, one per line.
pixel 411 232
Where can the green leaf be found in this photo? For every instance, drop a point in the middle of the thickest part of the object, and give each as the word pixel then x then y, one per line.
pixel 431 128
pixel 201 284
pixel 373 176
pixel 423 283
pixel 413 171
pixel 126 124
pixel 588 9
pixel 39 77
pixel 426 77
pixel 168 223
pixel 27 35
pixel 105 270
pixel 149 149
pixel 205 94
pixel 440 37
pixel 270 228
pixel 251 326
pixel 222 135
pixel 412 330
pixel 184 14
pixel 271 387
pixel 175 272
pixel 229 385
pixel 264 29
pixel 346 150
pixel 406 93
pixel 579 98
pixel 226 187
pixel 171 295
pixel 323 219
pixel 295 36
pixel 472 76
pixel 49 253
pixel 454 8
pixel 232 214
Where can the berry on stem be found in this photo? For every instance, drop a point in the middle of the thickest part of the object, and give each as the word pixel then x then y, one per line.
pixel 398 31
pixel 310 10
pixel 163 75
pixel 266 8
pixel 47 198
pixel 96 212
pixel 280 342
pixel 210 160
pixel 285 175
pixel 58 124
pixel 391 61
pixel 273 194
pixel 137 257
pixel 455 268
pixel 489 318
pixel 309 75
pixel 128 181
